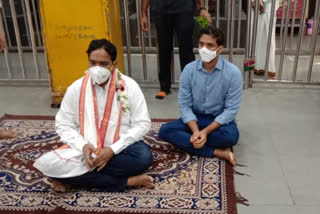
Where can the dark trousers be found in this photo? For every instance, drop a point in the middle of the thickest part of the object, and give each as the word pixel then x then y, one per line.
pixel 312 5
pixel 134 160
pixel 166 24
pixel 179 134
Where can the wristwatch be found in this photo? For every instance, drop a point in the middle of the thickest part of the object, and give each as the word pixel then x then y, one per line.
pixel 202 8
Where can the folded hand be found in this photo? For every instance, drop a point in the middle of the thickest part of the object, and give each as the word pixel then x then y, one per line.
pixel 198 139
pixel 102 157
pixel 88 150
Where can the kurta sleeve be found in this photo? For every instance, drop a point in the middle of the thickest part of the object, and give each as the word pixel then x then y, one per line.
pixel 140 122
pixel 67 119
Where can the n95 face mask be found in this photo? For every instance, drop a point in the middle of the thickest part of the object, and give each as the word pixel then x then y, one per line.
pixel 207 55
pixel 99 74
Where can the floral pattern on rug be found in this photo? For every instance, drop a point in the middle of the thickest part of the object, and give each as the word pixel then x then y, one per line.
pixel 183 183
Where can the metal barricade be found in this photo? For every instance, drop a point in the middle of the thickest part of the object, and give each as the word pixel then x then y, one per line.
pixel 20 23
pixel 297 55
pixel 141 48
pixel 237 21
pixel 295 51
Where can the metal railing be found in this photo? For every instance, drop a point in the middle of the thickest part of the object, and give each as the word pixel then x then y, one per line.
pixel 288 25
pixel 21 24
pixel 237 22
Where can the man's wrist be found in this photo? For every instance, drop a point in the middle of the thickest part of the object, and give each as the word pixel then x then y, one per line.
pixel 206 131
pixel 109 150
pixel 202 8
pixel 108 153
pixel 196 130
pixel 144 11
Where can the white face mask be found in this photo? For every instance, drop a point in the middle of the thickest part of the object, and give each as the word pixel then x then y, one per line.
pixel 99 74
pixel 207 55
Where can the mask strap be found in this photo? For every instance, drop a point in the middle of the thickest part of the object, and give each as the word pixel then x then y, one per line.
pixel 114 65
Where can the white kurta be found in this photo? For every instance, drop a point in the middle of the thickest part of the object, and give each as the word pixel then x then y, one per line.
pixel 134 125
pixel 262 36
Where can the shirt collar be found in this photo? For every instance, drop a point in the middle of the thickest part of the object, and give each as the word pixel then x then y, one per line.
pixel 218 66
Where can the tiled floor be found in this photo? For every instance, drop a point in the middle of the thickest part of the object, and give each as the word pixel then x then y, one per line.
pixel 279 142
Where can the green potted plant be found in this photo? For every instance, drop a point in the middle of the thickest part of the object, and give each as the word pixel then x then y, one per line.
pixel 200 22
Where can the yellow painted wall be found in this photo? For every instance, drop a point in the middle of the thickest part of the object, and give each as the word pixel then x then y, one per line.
pixel 68 28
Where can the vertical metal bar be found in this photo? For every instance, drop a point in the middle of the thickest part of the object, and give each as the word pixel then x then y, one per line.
pixel 218 14
pixel 255 25
pixel 138 9
pixel 231 32
pixel 239 23
pixel 249 28
pixel 293 20
pixel 229 23
pixel 282 20
pixel 158 60
pixel 141 35
pixel 247 50
pixel 25 21
pixel 16 29
pixel 254 38
pixel 36 22
pixel 284 42
pixel 314 22
pixel 301 32
pixel 40 21
pixel 126 21
pixel 6 26
pixel 149 25
pixel 316 31
pixel 172 67
pixel 172 60
pixel 269 38
pixel 33 41
pixel 5 50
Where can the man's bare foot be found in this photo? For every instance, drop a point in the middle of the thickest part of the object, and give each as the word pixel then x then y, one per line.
pixel 225 154
pixel 141 180
pixel 5 134
pixel 60 187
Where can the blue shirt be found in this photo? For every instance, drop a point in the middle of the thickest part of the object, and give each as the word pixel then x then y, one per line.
pixel 216 93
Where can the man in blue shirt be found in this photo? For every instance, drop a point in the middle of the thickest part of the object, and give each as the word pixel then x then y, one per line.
pixel 209 99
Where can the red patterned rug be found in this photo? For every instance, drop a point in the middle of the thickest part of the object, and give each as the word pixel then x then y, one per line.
pixel 183 184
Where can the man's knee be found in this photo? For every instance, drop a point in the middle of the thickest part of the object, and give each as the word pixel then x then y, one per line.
pixel 232 137
pixel 147 156
pixel 164 129
pixel 143 155
pixel 170 127
pixel 229 135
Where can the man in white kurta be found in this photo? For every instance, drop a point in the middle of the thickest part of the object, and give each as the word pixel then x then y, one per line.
pixel 102 121
pixel 264 18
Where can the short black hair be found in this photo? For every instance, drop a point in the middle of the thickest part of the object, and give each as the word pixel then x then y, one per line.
pixel 106 45
pixel 214 32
